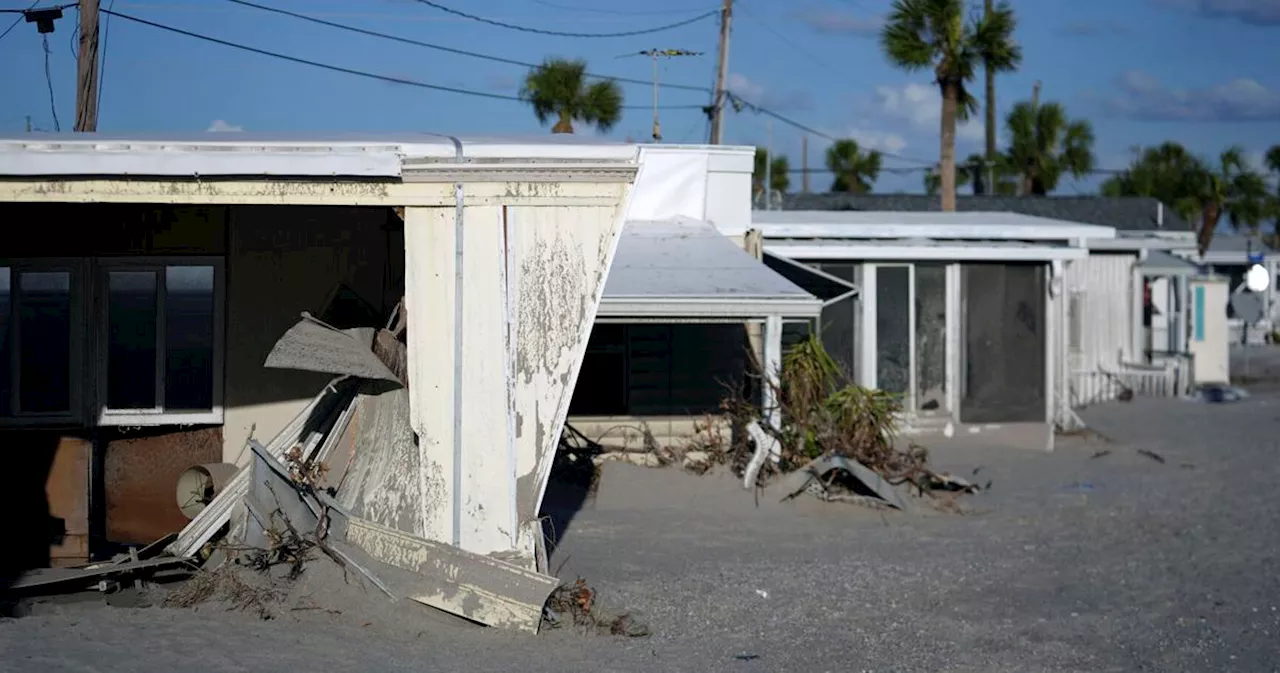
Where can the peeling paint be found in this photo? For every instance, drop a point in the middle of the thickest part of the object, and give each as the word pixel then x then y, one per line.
pixel 382 485
pixel 481 588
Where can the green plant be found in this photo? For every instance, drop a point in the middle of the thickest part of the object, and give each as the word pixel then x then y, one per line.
pixel 560 89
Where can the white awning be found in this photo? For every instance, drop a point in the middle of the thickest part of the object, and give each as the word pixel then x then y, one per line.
pixel 913 250
pixel 684 270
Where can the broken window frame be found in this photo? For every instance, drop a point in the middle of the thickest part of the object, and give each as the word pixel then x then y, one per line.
pixel 159 414
pixel 75 268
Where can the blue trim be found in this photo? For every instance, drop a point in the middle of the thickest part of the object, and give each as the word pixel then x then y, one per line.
pixel 1199 314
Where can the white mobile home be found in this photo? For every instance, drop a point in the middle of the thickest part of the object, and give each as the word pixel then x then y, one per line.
pixel 963 314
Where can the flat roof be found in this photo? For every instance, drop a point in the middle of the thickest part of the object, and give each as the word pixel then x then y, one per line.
pixel 247 154
pixel 684 268
pixel 1162 263
pixel 849 224
pixel 919 250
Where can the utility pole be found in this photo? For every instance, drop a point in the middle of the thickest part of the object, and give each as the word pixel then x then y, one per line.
pixel 722 74
pixel 804 164
pixel 655 54
pixel 28 123
pixel 87 69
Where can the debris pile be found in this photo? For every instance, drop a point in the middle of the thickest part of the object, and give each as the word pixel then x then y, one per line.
pixel 838 440
pixel 575 605
pixel 333 502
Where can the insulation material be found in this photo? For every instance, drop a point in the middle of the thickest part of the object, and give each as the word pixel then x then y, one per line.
pixel 1004 340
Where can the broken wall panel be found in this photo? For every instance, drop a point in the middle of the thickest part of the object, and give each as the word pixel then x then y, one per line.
pixel 532 280
pixel 140 477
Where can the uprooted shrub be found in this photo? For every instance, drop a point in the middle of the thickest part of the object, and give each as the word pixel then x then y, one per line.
pixel 821 412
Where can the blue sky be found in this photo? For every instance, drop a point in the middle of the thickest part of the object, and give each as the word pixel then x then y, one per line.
pixel 1201 72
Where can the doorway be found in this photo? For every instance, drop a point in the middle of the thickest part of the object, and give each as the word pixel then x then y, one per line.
pixel 1003 372
pixel 911 322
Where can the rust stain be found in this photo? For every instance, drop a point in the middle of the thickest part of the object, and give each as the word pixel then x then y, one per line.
pixel 140 480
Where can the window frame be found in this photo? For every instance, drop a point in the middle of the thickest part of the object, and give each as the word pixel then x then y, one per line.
pixel 75 415
pixel 158 415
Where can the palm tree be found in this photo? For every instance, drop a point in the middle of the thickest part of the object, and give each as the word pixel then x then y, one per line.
pixel 779 170
pixel 1194 189
pixel 974 170
pixel 1236 190
pixel 1045 144
pixel 1273 159
pixel 560 88
pixel 854 170
pixel 933 34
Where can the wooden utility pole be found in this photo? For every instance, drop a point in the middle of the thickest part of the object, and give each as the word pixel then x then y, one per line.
pixel 722 74
pixel 87 69
pixel 804 164
pixel 988 10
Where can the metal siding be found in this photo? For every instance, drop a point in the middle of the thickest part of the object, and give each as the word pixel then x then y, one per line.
pixel 1103 284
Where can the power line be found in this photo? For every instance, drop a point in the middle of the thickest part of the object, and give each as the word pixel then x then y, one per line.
pixel 342 69
pixel 102 67
pixel 557 33
pixel 618 12
pixel 739 102
pixel 791 43
pixel 18 20
pixel 450 50
pixel 48 76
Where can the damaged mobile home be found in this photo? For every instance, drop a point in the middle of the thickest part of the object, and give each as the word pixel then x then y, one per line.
pixel 449 284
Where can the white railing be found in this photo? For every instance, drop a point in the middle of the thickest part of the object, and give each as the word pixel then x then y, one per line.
pixel 1169 376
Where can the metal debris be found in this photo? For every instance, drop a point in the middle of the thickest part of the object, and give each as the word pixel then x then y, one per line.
pixel 814 478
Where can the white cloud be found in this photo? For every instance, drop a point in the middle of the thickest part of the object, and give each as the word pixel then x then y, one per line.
pixel 1141 96
pixel 920 105
pixel 873 139
pixel 834 22
pixel 220 126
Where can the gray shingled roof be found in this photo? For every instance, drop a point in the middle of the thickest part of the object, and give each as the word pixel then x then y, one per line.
pixel 1137 213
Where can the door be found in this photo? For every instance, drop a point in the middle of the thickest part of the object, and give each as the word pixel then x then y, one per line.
pixel 911 335
pixel 1003 377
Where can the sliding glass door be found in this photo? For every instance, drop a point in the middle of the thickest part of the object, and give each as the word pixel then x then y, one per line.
pixel 911 335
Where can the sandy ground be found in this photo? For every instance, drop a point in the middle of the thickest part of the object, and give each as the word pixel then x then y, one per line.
pixel 1073 563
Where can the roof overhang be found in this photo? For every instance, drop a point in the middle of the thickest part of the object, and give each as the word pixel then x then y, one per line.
pixel 418 156
pixel 683 270
pixel 1159 263
pixel 1136 244
pixel 956 251
pixel 892 225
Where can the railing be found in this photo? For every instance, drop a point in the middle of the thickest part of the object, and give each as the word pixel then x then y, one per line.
pixel 1169 375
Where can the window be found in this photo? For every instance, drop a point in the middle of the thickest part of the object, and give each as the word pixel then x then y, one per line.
pixel 153 327
pixel 159 341
pixel 40 343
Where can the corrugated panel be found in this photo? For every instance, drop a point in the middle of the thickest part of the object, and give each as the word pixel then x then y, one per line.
pixel 1102 286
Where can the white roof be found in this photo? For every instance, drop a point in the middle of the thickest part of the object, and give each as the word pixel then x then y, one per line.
pixel 923 249
pixel 684 268
pixel 246 154
pixel 930 225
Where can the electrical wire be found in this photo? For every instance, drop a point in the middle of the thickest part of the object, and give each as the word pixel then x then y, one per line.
pixel 48 76
pixel 450 50
pixel 763 23
pixel 18 20
pixel 616 12
pixel 351 71
pixel 557 33
pixel 102 65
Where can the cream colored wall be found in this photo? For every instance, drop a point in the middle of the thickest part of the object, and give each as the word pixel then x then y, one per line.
pixel 282 261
